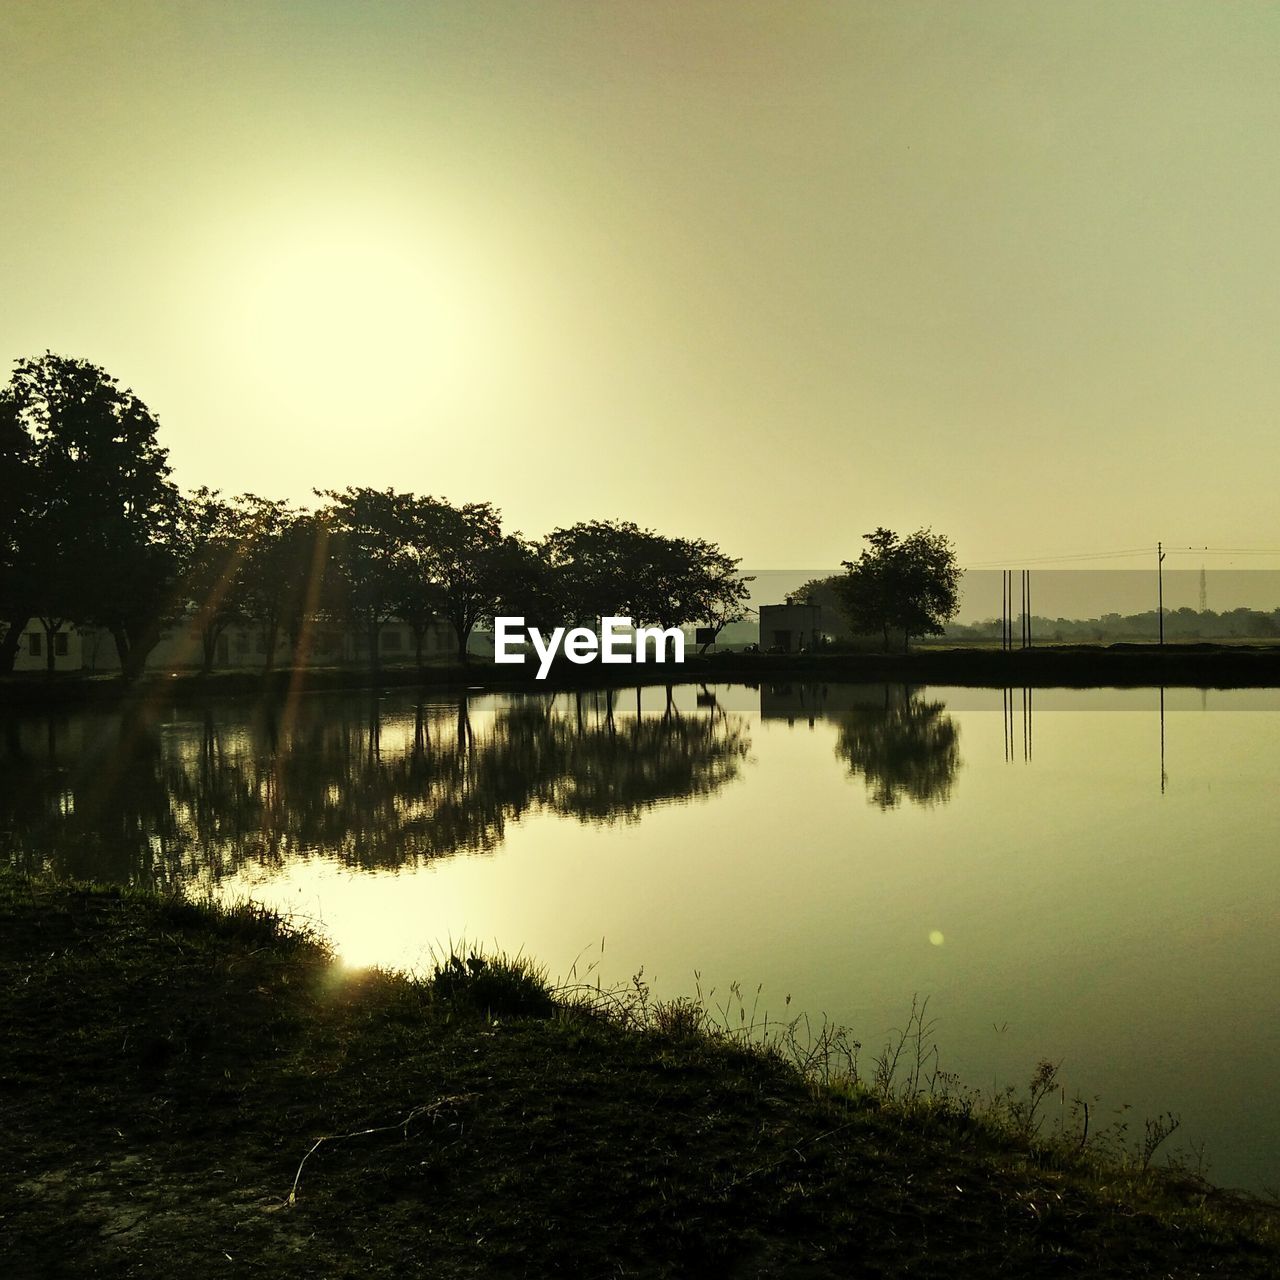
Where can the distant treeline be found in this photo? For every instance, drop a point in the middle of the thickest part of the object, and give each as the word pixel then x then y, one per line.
pixel 1179 624
pixel 94 533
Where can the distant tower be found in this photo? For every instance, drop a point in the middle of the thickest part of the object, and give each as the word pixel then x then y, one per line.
pixel 1204 592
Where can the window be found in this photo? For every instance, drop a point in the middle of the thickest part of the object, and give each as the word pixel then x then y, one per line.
pixel 242 642
pixel 60 644
pixel 34 647
pixel 392 639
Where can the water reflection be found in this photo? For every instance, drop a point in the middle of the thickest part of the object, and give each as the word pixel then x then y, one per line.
pixel 377 783
pixel 903 746
pixel 907 748
pixel 1085 916
pixel 1007 701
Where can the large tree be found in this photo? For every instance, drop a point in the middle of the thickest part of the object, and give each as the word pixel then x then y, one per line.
pixel 599 566
pixel 465 558
pixel 368 531
pixel 17 498
pixel 615 568
pixel 104 514
pixel 907 584
pixel 214 549
pixel 285 568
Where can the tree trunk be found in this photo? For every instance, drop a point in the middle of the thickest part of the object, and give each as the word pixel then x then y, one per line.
pixel 463 633
pixel 375 658
pixel 51 628
pixel 12 639
pixel 209 643
pixel 273 634
pixel 121 637
pixel 141 642
pixel 906 640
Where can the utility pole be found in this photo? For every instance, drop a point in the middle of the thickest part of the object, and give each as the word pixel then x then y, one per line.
pixel 1160 587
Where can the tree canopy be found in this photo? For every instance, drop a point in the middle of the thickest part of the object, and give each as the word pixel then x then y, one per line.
pixel 909 584
pixel 615 568
pixel 99 528
pixel 94 533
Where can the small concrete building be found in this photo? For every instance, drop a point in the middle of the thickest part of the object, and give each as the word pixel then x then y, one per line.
pixel 800 628
pixel 34 645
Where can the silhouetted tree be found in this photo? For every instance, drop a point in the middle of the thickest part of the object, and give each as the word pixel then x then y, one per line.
pixel 528 585
pixel 17 530
pixel 215 546
pixel 105 511
pixel 368 531
pixel 720 591
pixel 824 592
pixel 284 566
pixel 615 568
pixel 598 566
pixel 467 557
pixel 909 584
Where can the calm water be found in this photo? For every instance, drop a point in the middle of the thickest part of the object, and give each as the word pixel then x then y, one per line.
pixel 1081 878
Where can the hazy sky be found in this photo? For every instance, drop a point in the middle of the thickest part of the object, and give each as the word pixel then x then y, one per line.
pixel 771 274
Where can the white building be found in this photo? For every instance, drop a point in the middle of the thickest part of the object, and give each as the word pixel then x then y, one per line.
pixel 240 647
pixel 33 648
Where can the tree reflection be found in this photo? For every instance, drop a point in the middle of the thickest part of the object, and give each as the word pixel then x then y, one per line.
pixel 138 797
pixel 905 748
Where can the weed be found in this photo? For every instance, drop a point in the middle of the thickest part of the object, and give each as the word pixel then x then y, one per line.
pixel 498 986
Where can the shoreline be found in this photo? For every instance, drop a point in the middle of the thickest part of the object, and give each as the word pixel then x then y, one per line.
pixel 186 1084
pixel 1060 666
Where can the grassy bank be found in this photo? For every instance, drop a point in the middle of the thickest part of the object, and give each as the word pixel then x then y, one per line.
pixel 1063 666
pixel 193 1092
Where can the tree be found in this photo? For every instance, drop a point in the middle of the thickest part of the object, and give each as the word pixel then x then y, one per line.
pixel 215 546
pixel 285 566
pixel 369 530
pixel 722 593
pixel 910 584
pixel 17 498
pixel 615 568
pixel 466 558
pixel 685 580
pixel 599 566
pixel 103 519
pixel 528 585
pixel 823 592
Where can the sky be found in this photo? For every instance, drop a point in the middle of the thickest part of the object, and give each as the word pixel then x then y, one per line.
pixel 767 274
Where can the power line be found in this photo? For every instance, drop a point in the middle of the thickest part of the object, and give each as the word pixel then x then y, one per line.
pixel 1116 555
pixel 1090 555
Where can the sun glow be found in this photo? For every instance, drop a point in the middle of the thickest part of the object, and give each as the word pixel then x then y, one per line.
pixel 349 310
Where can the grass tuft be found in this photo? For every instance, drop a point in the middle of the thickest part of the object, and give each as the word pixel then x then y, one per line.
pixel 498 986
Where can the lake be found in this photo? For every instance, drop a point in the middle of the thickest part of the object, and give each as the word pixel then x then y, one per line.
pixel 1089 876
